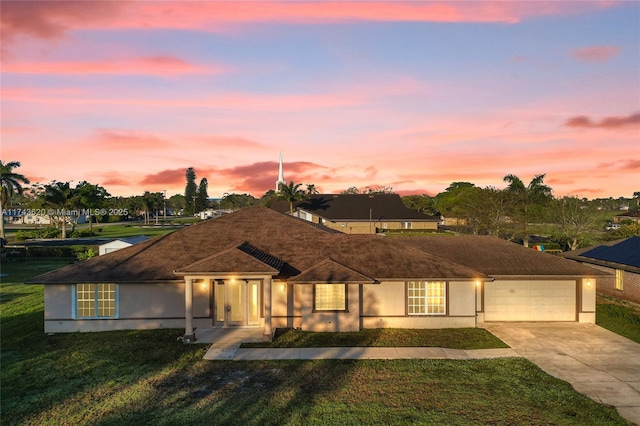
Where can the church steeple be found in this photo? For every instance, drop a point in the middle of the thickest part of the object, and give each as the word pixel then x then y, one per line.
pixel 280 180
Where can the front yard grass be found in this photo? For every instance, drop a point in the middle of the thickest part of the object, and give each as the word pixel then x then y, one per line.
pixel 146 377
pixel 619 316
pixel 458 338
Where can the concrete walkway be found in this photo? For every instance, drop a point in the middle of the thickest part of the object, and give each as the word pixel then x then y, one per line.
pixel 226 346
pixel 253 354
pixel 597 362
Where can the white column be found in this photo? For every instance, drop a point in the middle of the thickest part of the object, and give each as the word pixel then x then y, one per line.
pixel 267 306
pixel 188 308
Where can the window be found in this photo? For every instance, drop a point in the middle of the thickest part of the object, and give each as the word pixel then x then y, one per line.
pixel 619 279
pixel 406 225
pixel 426 297
pixel 95 301
pixel 330 297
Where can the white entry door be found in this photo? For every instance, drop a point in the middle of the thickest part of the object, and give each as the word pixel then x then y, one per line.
pixel 238 303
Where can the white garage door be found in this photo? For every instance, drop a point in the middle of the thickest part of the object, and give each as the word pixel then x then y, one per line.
pixel 530 301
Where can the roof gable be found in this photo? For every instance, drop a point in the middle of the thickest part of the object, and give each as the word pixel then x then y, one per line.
pixel 234 260
pixel 330 271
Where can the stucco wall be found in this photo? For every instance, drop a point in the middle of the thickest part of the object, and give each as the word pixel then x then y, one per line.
pixel 140 306
pixel 385 305
pixel 309 320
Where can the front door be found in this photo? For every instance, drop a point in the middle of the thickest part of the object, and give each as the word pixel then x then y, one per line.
pixel 238 303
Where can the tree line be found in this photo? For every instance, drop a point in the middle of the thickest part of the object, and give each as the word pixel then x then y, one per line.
pixel 506 213
pixel 510 213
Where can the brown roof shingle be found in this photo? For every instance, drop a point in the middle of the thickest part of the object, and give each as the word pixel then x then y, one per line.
pixel 261 240
pixel 495 257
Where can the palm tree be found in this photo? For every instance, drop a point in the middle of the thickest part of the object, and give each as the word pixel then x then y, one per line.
pixel 291 193
pixel 10 184
pixel 311 189
pixel 62 198
pixel 524 197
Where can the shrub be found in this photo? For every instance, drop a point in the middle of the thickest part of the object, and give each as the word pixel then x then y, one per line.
pixel 49 232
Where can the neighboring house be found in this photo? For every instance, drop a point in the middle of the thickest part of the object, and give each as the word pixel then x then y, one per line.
pixel 260 268
pixel 359 213
pixel 633 216
pixel 621 259
pixel 120 243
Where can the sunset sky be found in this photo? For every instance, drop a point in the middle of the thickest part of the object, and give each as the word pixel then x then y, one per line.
pixel 414 95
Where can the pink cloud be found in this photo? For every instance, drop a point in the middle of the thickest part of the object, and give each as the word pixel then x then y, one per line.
pixel 595 53
pixel 165 177
pixel 630 165
pixel 613 122
pixel 258 178
pixel 161 65
pixel 128 140
pixel 52 19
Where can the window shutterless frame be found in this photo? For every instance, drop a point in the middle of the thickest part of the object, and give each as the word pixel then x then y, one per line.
pixel 95 301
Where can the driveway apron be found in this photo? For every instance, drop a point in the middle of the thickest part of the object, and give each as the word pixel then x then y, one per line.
pixel 597 362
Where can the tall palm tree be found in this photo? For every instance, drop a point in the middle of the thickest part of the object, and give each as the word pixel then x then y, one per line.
pixel 11 183
pixel 291 193
pixel 524 197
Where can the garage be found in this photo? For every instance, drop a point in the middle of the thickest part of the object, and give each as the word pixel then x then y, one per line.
pixel 530 300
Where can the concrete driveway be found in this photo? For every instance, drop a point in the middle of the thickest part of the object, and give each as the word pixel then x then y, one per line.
pixel 597 362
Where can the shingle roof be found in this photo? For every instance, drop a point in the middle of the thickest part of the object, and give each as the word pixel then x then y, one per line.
pixel 261 240
pixel 273 239
pixel 621 254
pixel 495 257
pixel 330 271
pixel 356 207
pixel 233 260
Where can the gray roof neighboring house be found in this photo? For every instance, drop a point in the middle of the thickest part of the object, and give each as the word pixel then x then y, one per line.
pixel 356 207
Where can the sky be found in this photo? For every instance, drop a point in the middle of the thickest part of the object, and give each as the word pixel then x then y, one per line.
pixel 409 95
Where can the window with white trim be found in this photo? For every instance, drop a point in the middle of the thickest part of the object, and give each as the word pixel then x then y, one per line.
pixel 426 297
pixel 407 225
pixel 330 297
pixel 95 301
pixel 619 279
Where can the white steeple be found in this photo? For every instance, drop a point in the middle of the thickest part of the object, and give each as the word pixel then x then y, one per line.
pixel 280 180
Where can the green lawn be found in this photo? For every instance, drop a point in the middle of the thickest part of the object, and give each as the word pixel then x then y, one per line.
pixel 146 377
pixel 122 231
pixel 619 317
pixel 459 338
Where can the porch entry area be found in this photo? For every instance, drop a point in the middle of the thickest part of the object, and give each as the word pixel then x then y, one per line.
pixel 237 302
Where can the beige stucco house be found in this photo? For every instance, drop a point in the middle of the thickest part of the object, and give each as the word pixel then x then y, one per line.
pixel 359 213
pixel 261 268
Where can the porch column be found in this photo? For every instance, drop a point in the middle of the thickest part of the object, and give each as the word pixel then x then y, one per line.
pixel 267 307
pixel 188 309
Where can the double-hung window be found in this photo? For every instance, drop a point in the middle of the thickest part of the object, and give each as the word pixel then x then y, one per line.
pixel 95 301
pixel 330 297
pixel 426 297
